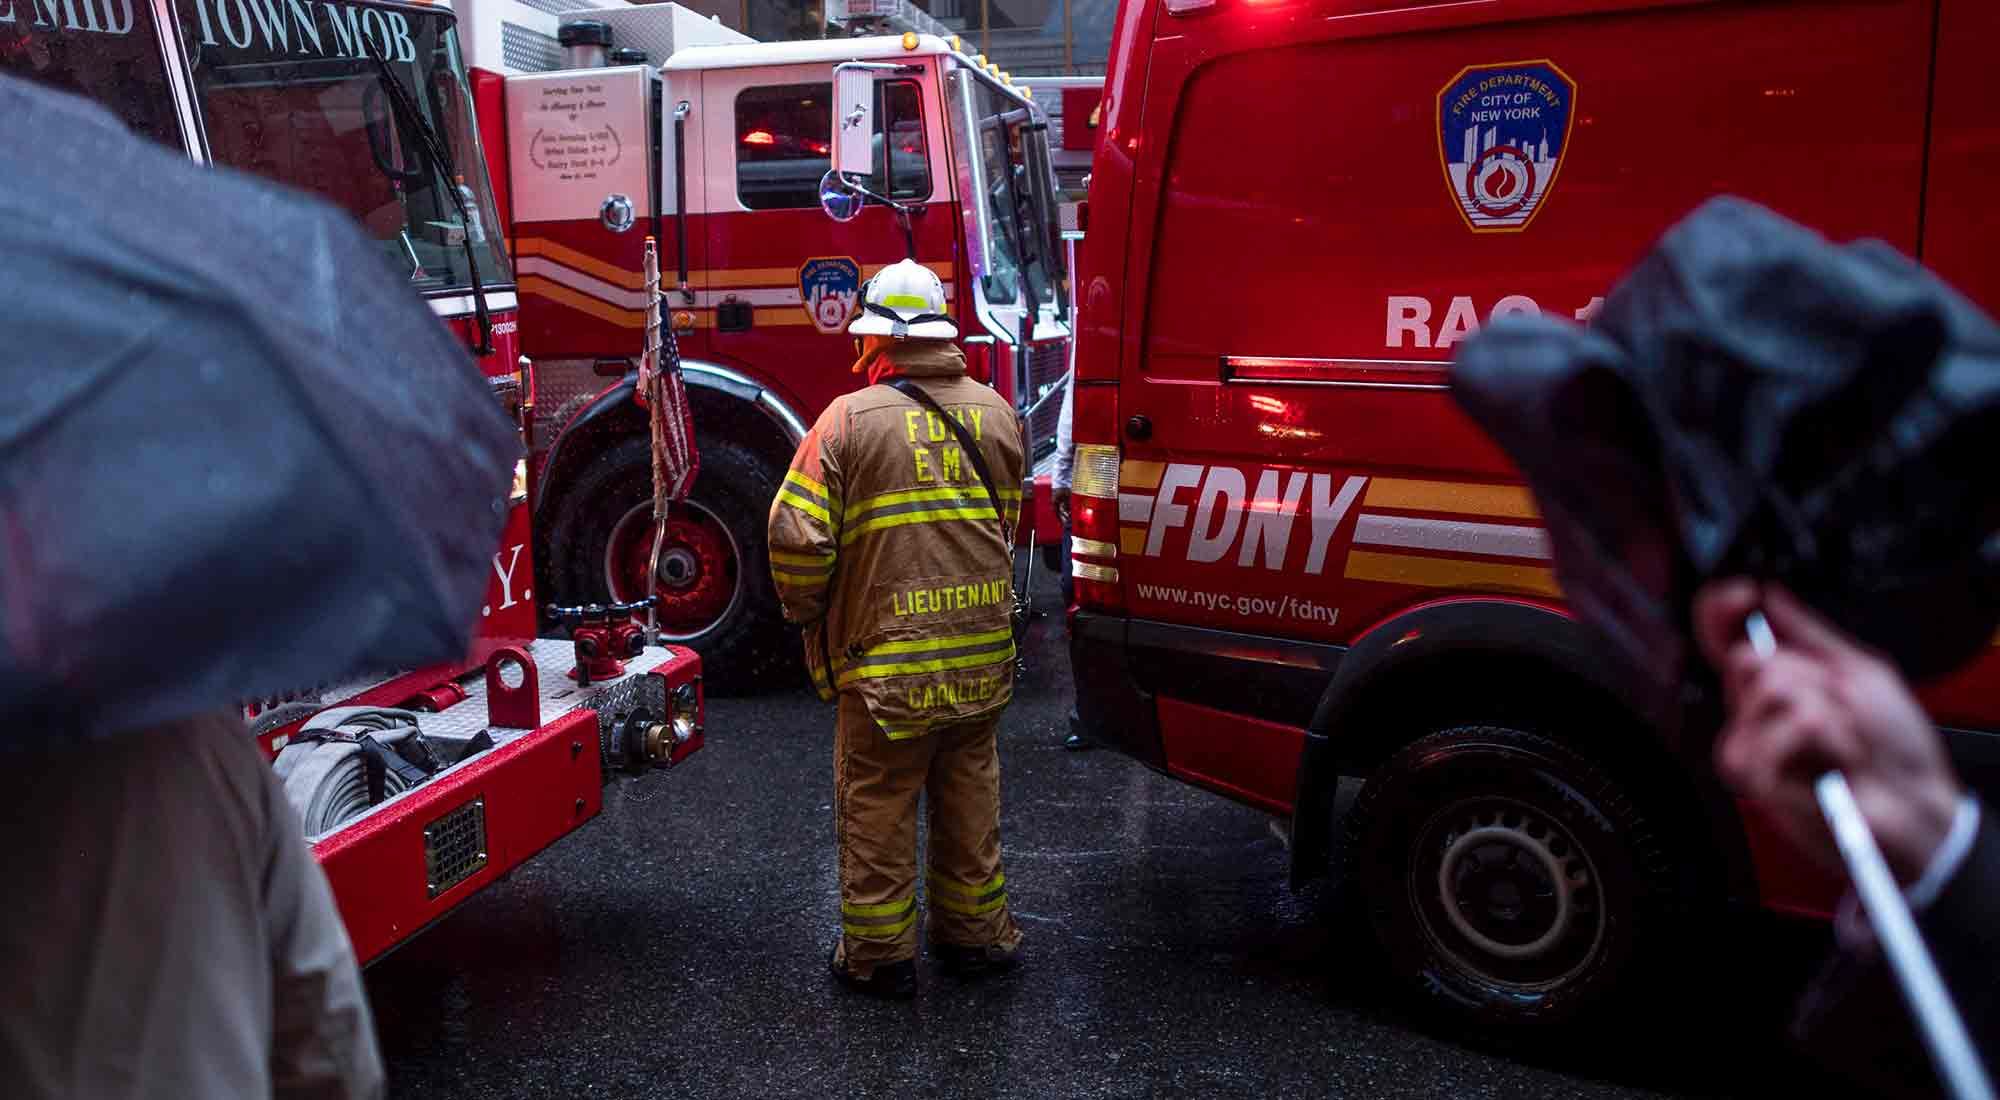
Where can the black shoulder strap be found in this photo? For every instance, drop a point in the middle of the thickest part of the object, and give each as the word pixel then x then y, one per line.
pixel 966 443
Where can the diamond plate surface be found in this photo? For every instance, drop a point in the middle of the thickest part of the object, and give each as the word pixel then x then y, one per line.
pixel 562 388
pixel 621 699
pixel 529 51
pixel 559 694
pixel 557 7
pixel 642 27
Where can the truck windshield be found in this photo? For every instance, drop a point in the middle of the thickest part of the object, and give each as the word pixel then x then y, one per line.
pixel 1008 150
pixel 111 55
pixel 297 97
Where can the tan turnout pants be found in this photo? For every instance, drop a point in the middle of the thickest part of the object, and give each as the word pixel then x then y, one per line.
pixel 876 783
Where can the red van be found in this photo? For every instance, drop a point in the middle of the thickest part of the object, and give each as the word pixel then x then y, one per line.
pixel 1295 559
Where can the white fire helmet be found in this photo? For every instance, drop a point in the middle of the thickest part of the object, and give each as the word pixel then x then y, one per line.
pixel 904 300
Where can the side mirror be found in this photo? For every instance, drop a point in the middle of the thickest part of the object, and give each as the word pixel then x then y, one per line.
pixel 840 202
pixel 853 120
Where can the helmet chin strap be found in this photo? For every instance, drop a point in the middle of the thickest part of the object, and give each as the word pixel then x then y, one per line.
pixel 900 328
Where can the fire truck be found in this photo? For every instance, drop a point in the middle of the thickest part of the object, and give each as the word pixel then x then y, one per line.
pixel 717 145
pixel 419 789
pixel 1297 562
pixel 1076 119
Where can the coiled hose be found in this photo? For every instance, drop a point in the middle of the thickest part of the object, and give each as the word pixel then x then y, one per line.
pixel 327 781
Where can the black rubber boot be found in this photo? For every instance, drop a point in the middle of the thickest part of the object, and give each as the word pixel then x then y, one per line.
pixel 896 981
pixel 971 963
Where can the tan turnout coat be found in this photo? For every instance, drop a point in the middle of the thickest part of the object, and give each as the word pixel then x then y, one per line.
pixel 887 551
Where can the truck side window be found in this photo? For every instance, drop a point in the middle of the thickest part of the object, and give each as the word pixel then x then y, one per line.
pixel 108 53
pixel 783 144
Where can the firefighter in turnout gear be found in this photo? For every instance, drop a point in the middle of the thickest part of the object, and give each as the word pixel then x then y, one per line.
pixel 894 555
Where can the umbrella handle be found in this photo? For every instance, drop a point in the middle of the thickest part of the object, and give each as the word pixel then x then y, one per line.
pixel 1896 928
pixel 1951 1048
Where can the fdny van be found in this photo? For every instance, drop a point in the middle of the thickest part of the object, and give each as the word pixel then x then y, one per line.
pixel 1296 561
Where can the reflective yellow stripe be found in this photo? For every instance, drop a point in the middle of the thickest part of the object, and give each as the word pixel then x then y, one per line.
pixel 902 735
pixel 808 484
pixel 882 909
pixel 932 645
pixel 785 574
pixel 784 580
pixel 810 561
pixel 969 893
pixel 945 901
pixel 971 494
pixel 786 496
pixel 935 664
pixel 880 931
pixel 939 515
pixel 927 645
pixel 905 301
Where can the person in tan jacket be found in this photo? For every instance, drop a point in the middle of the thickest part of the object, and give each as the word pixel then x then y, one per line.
pixel 895 558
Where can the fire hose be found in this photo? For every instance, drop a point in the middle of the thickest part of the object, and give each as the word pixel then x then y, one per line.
pixel 326 770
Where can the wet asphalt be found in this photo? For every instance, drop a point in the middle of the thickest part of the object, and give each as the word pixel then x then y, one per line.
pixel 676 947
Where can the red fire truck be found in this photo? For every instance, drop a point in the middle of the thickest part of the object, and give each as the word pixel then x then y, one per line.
pixel 718 145
pixel 1296 561
pixel 490 760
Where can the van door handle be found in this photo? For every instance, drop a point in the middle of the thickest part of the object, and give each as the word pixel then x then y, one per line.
pixel 1139 427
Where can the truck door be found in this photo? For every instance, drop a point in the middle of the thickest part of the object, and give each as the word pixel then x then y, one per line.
pixel 584 179
pixel 1338 209
pixel 784 280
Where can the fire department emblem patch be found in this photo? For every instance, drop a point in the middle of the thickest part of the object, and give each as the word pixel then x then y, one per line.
pixel 1502 133
pixel 830 290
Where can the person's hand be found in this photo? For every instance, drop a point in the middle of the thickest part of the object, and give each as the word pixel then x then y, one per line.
pixel 1824 701
pixel 1059 497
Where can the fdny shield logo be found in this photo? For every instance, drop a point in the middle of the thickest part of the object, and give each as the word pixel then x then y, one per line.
pixel 830 290
pixel 1502 133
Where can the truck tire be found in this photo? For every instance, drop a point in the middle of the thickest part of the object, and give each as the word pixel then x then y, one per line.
pixel 1514 885
pixel 715 588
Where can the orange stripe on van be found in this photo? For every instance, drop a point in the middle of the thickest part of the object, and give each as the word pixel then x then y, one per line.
pixel 1485 576
pixel 1464 498
pixel 1140 475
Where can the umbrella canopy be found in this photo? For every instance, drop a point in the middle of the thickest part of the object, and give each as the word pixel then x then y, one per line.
pixel 237 454
pixel 1753 399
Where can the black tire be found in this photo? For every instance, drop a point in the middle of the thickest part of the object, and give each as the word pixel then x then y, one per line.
pixel 748 643
pixel 1565 890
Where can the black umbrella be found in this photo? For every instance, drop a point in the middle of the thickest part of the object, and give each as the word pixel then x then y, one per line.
pixel 1754 400
pixel 237 454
